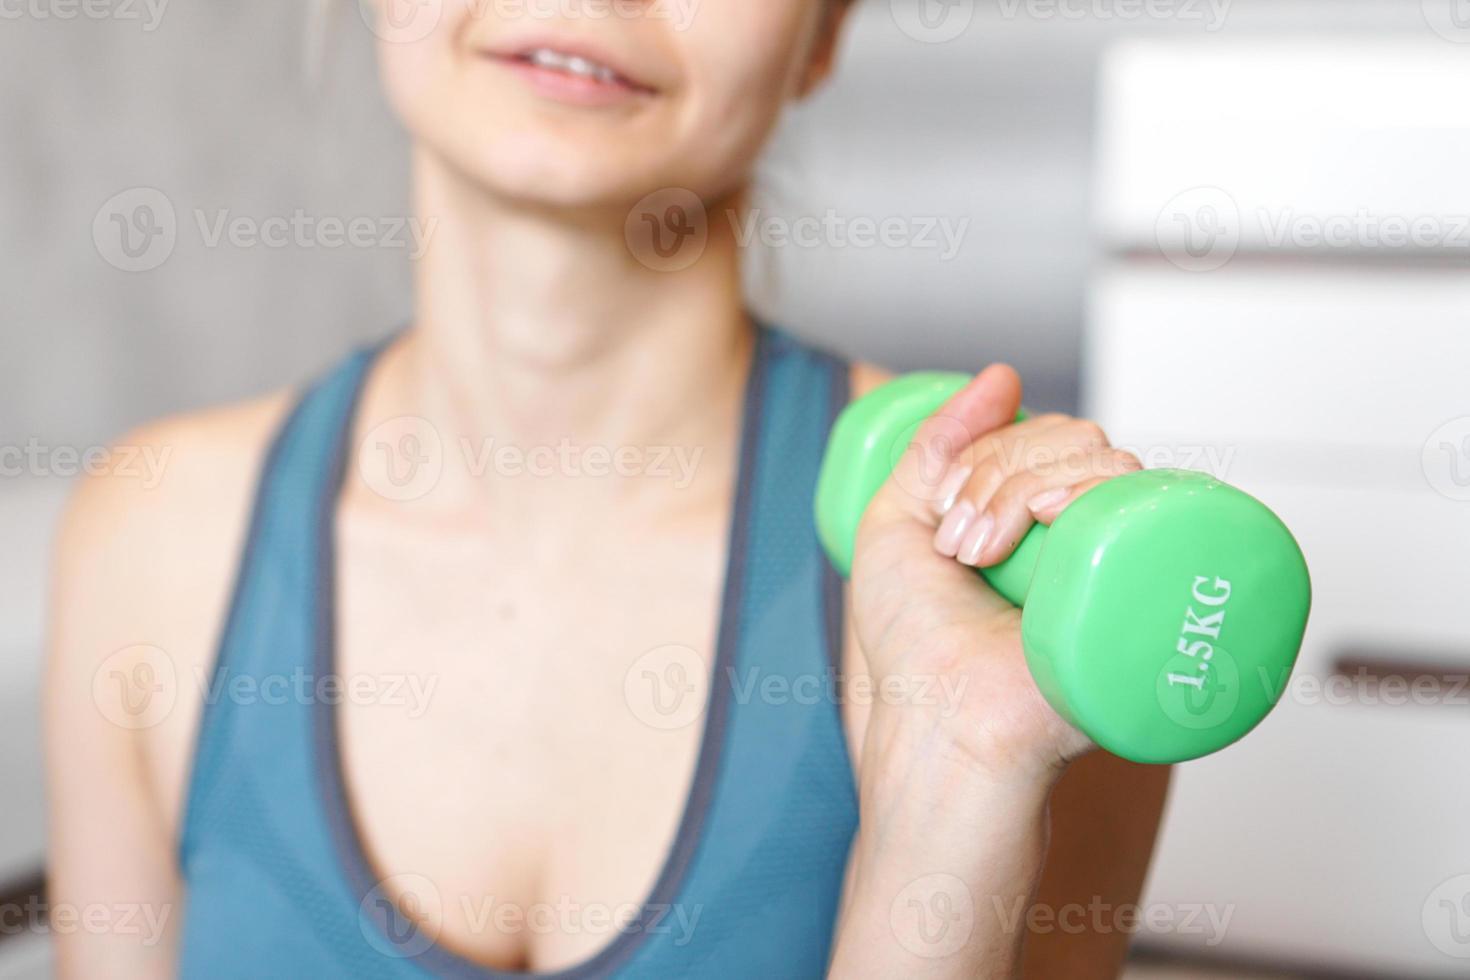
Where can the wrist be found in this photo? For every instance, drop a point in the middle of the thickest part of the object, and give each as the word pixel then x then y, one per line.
pixel 943 856
pixel 919 758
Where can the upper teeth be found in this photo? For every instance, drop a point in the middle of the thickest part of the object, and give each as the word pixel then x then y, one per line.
pixel 571 64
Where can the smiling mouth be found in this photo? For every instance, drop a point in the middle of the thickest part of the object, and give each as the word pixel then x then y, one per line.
pixel 574 68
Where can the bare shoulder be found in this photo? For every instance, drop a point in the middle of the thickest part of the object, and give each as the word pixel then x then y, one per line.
pixel 142 569
pixel 865 377
pixel 162 495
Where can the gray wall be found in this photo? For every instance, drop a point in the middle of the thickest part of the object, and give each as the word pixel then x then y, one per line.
pixel 214 108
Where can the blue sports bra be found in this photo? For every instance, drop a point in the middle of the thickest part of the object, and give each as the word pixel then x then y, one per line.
pixel 277 883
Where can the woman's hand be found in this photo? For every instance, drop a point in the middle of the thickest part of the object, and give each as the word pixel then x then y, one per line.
pixel 964 494
pixel 953 789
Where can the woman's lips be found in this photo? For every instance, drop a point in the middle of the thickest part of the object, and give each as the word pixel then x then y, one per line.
pixel 570 74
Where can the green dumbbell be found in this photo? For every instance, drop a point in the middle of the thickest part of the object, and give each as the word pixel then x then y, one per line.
pixel 1163 610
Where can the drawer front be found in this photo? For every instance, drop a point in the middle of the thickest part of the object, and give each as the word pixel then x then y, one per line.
pixel 1356 367
pixel 1284 145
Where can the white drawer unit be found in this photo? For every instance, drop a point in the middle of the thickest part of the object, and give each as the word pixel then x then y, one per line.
pixel 1334 834
pixel 1322 144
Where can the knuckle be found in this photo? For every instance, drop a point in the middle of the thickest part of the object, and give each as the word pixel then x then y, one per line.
pixel 1015 491
pixel 1126 462
pixel 1089 432
pixel 985 479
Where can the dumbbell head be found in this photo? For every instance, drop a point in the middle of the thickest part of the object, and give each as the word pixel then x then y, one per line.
pixel 1163 609
pixel 1165 614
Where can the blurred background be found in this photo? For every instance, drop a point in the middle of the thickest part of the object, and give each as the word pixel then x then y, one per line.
pixel 1235 231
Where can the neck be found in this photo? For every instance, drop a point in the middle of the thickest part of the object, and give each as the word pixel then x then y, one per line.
pixel 538 328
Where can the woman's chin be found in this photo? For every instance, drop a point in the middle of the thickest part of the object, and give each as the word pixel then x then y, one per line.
pixel 588 179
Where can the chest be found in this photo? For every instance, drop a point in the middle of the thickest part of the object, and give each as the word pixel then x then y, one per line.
pixel 525 724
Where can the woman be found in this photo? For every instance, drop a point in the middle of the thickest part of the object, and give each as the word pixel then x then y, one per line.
pixel 363 688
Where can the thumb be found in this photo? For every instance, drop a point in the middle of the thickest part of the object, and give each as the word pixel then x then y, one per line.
pixel 940 454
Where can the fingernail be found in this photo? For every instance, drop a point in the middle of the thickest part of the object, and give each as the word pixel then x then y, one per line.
pixel 950 486
pixel 952 529
pixel 1047 500
pixel 975 541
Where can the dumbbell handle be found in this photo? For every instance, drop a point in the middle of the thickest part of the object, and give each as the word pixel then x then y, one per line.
pixel 891 421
